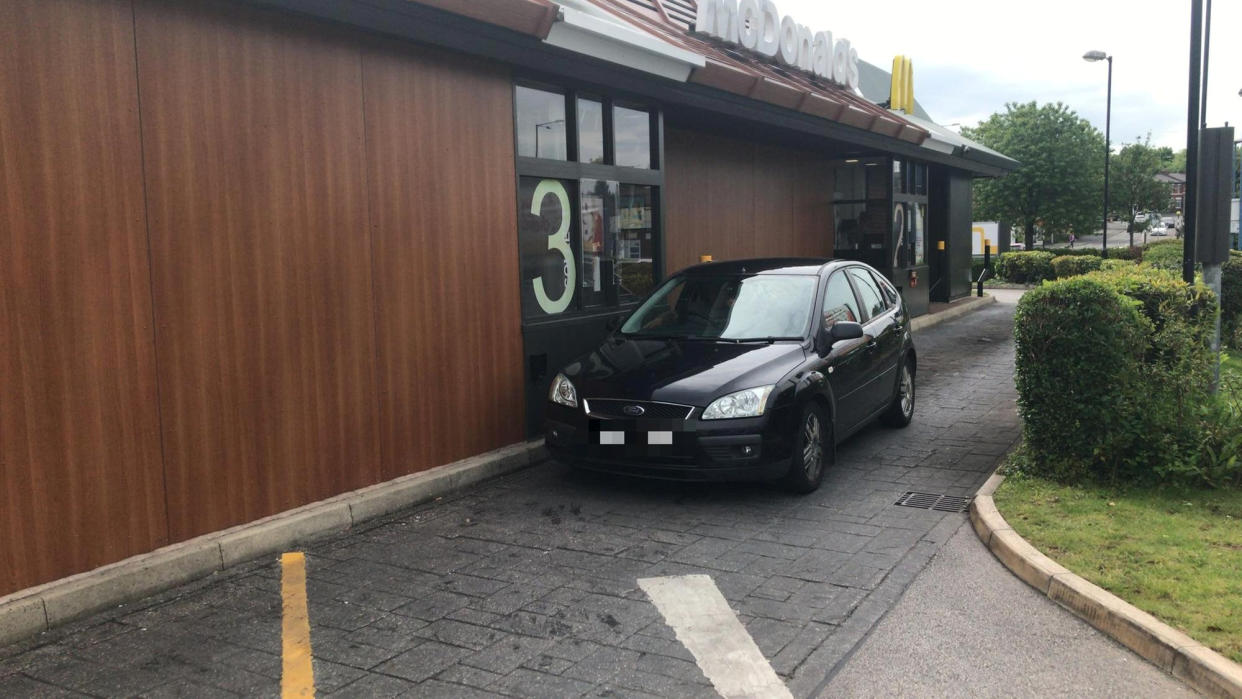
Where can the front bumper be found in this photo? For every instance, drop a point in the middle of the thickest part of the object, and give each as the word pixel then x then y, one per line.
pixel 701 450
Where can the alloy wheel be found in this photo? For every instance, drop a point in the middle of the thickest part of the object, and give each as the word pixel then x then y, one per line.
pixel 907 391
pixel 812 447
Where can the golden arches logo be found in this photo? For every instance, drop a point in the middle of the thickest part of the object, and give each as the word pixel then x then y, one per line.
pixel 901 91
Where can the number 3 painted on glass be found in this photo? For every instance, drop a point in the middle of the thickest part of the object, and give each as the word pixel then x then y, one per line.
pixel 558 241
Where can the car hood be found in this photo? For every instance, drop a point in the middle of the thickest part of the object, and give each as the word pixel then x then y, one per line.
pixel 680 371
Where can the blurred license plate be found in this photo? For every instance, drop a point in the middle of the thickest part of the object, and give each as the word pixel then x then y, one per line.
pixel 611 437
pixel 654 438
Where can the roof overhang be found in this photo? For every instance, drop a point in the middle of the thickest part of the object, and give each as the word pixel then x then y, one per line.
pixel 582 28
pixel 516 40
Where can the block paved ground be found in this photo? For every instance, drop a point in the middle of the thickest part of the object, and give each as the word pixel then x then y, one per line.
pixel 526 586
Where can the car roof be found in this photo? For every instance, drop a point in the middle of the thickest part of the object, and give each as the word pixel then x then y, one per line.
pixel 766 265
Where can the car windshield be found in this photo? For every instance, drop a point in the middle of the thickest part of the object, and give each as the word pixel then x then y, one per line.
pixel 727 307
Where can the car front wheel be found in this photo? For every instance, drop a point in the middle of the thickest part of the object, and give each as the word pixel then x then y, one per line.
pixel 901 410
pixel 813 450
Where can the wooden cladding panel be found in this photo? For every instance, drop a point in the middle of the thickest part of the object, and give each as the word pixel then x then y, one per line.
pixel 256 187
pixel 709 186
pixel 80 478
pixel 440 156
pixel 734 199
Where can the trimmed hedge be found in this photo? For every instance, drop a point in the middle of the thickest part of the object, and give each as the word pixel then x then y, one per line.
pixel 1073 383
pixel 1231 300
pixel 1110 264
pixel 1074 265
pixel 1077 252
pixel 1166 254
pixel 1025 267
pixel 1113 369
pixel 1125 253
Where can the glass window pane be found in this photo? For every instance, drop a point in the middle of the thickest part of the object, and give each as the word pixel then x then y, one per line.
pixel 899 177
pixel 635 244
pixel 590 131
pixel 631 137
pixel 872 301
pixel 598 211
pixel 919 238
pixel 728 306
pixel 839 302
pixel 849 182
pixel 545 235
pixel 540 123
pixel 861 226
pixel 879 183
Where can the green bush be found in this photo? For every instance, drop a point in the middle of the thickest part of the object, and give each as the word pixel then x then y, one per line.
pixel 1073 265
pixel 1166 254
pixel 1079 252
pixel 1079 346
pixel 1125 253
pixel 1231 300
pixel 1113 369
pixel 1110 264
pixel 1025 267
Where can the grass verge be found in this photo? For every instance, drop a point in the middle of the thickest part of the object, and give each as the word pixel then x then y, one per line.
pixel 1174 553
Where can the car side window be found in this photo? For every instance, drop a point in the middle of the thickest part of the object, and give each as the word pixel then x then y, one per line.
pixel 887 289
pixel 839 301
pixel 868 292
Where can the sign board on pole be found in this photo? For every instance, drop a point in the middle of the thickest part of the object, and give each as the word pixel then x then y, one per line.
pixel 981 231
pixel 1215 194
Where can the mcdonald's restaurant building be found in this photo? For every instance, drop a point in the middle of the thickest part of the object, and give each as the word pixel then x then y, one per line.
pixel 257 254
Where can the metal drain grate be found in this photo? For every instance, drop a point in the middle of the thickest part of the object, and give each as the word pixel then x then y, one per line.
pixel 934 501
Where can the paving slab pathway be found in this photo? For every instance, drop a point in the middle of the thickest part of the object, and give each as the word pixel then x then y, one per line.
pixel 527 586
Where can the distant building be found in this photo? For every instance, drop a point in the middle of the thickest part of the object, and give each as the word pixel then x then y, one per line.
pixel 1177 185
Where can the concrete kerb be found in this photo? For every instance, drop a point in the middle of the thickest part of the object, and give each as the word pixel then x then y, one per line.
pixel 1169 649
pixel 958 309
pixel 32 611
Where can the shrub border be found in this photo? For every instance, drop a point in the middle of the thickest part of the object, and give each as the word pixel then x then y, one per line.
pixel 1171 650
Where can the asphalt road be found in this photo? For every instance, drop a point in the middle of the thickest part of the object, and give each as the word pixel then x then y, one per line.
pixel 1117 238
pixel 969 626
pixel 550 583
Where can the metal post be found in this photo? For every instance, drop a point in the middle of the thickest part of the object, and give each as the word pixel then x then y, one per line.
pixel 987 265
pixel 1192 141
pixel 1108 123
pixel 1212 278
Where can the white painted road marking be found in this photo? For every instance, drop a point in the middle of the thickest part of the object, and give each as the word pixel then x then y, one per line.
pixel 705 624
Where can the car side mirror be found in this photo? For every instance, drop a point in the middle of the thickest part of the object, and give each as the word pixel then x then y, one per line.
pixel 841 330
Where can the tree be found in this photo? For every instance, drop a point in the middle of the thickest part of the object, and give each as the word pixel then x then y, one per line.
pixel 1133 188
pixel 1174 162
pixel 1060 184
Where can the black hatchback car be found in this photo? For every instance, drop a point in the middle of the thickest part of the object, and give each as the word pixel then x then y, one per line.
pixel 745 370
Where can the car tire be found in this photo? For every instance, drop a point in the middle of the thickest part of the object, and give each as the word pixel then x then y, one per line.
pixel 813 452
pixel 901 411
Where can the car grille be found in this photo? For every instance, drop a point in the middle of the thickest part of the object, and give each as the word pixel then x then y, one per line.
pixel 612 408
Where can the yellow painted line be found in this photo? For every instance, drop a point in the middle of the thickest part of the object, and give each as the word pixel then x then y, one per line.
pixel 297 678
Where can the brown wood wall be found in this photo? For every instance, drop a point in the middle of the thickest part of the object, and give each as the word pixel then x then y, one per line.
pixel 80 477
pixel 444 221
pixel 276 311
pixel 733 199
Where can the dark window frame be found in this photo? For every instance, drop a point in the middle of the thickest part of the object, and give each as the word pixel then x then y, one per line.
pixel 858 294
pixel 571 169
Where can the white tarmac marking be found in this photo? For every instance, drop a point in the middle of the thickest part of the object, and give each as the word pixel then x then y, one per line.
pixel 705 624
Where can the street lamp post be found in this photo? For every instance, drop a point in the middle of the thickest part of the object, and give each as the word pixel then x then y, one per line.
pixel 1093 56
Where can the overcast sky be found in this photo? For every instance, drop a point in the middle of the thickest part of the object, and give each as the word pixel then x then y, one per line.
pixel 972 56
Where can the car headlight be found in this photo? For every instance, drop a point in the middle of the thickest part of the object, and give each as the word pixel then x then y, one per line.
pixel 563 392
pixel 747 403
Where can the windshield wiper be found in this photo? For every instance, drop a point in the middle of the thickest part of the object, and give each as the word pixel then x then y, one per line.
pixel 769 339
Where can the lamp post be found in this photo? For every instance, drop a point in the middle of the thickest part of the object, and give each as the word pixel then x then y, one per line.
pixel 1094 56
